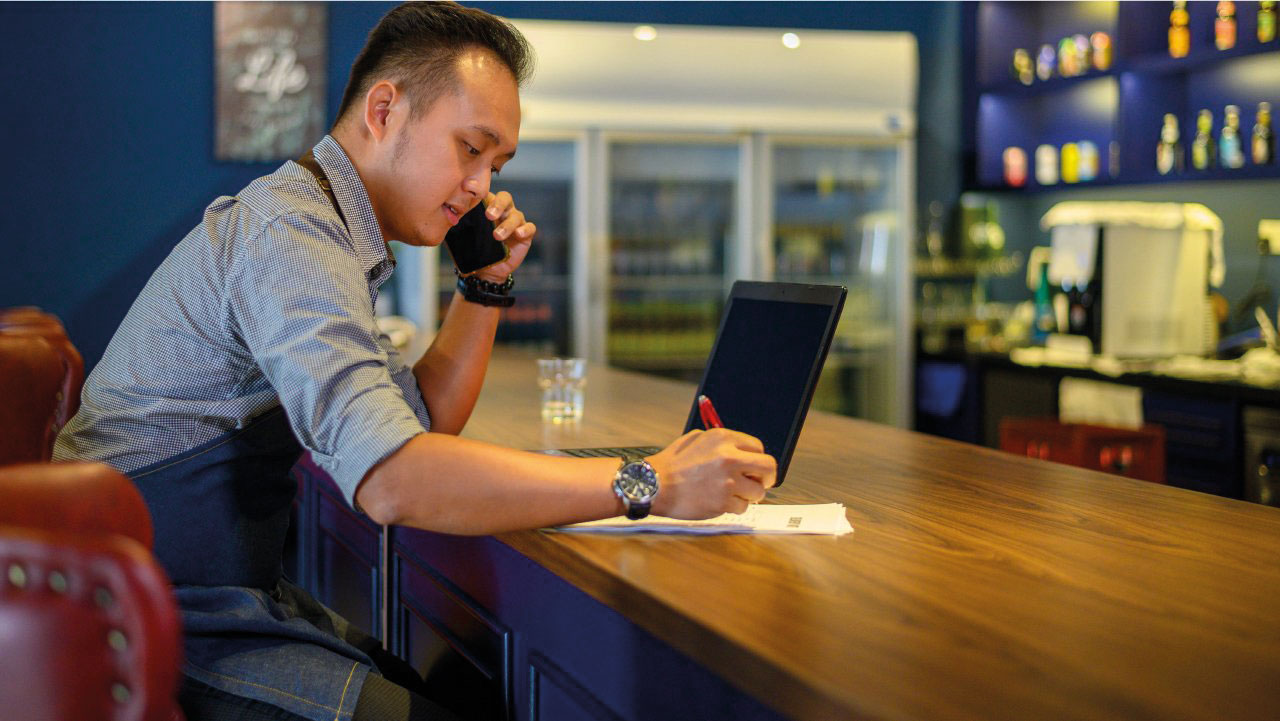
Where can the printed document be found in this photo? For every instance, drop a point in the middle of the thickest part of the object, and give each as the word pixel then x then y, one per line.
pixel 824 518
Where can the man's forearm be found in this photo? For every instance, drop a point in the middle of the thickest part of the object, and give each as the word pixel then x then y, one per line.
pixel 457 485
pixel 452 370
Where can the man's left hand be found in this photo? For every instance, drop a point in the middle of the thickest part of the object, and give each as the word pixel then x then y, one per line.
pixel 510 227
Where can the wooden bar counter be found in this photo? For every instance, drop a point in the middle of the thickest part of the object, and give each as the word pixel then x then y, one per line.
pixel 977 585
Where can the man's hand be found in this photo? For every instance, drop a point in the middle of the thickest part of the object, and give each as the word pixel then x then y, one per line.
pixel 706 473
pixel 511 228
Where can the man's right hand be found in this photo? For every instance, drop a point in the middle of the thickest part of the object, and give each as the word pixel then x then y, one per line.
pixel 707 473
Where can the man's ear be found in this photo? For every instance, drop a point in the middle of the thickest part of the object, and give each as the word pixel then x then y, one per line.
pixel 381 104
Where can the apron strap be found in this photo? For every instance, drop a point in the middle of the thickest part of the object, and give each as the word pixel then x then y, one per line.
pixel 308 161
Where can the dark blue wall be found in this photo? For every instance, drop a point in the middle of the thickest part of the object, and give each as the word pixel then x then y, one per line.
pixel 108 127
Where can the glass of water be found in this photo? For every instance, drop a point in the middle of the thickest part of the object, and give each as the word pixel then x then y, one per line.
pixel 561 381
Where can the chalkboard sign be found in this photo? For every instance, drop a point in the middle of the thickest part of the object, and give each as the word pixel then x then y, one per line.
pixel 269 62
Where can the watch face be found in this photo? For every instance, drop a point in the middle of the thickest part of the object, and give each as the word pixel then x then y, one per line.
pixel 638 481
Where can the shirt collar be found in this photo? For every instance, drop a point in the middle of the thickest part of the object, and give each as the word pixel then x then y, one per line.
pixel 357 209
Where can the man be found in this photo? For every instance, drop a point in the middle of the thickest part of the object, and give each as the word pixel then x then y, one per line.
pixel 255 339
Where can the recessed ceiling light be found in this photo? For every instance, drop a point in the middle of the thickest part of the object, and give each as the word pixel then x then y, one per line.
pixel 645 32
pixel 791 40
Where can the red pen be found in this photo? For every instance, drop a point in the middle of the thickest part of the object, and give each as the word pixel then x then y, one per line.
pixel 710 419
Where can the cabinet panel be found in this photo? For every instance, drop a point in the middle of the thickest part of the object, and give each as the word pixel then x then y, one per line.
pixel 448 638
pixel 1202 441
pixel 555 696
pixel 1008 394
pixel 347 571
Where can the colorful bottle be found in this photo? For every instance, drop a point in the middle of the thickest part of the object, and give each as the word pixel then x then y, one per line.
pixel 1224 28
pixel 1088 161
pixel 1203 149
pixel 1264 143
pixel 1046 164
pixel 1169 151
pixel 1046 321
pixel 1266 21
pixel 1179 32
pixel 1230 148
pixel 1101 43
pixel 1070 165
pixel 1046 62
pixel 1015 166
pixel 1068 60
pixel 1084 54
pixel 1023 68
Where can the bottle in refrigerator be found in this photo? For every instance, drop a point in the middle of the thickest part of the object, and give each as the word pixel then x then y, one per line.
pixel 1203 148
pixel 1230 148
pixel 1169 151
pixel 1262 146
pixel 1266 21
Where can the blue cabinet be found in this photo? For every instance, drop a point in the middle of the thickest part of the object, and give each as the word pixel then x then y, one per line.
pixel 1202 441
pixel 340 551
pixel 496 636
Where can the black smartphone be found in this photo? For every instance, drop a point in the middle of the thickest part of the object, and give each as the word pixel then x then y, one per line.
pixel 472 245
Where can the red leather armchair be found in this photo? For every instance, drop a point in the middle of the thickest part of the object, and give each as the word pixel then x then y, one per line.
pixel 42 373
pixel 89 629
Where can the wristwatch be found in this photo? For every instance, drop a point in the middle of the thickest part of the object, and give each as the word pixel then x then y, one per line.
pixel 636 483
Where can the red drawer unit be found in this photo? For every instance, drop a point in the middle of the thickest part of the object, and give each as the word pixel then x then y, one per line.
pixel 1134 453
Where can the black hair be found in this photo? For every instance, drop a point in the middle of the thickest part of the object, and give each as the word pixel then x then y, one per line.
pixel 417 45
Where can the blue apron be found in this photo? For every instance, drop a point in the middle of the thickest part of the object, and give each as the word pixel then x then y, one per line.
pixel 221 513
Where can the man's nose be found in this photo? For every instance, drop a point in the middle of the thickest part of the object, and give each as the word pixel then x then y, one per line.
pixel 477 185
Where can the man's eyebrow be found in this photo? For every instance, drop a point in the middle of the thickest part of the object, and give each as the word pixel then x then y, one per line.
pixel 492 135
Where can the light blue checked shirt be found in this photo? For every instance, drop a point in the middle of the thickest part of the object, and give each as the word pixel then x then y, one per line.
pixel 269 301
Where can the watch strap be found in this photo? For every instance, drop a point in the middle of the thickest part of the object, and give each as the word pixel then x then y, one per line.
pixel 478 290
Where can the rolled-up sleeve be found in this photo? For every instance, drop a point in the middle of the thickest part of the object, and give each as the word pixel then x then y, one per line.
pixel 300 302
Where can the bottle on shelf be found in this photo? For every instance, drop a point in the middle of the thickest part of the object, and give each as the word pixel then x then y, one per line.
pixel 1263 145
pixel 1203 148
pixel 1266 21
pixel 1169 151
pixel 1046 165
pixel 934 239
pixel 1088 161
pixel 1084 54
pixel 1070 166
pixel 1068 64
pixel 1046 321
pixel 1023 67
pixel 1101 43
pixel 1230 148
pixel 1015 166
pixel 1179 31
pixel 1224 27
pixel 1046 62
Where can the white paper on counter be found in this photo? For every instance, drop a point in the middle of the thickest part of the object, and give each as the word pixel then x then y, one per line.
pixel 823 518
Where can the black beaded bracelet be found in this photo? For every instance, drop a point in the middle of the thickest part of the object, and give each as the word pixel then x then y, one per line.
pixel 479 290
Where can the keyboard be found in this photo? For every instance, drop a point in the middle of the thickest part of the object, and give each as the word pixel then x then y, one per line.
pixel 608 452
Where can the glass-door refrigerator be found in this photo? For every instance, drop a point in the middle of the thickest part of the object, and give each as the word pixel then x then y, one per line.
pixel 670 229
pixel 840 215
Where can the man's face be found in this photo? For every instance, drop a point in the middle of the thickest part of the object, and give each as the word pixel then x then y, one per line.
pixel 443 161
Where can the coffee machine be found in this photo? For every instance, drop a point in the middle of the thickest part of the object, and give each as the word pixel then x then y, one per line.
pixel 1137 274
